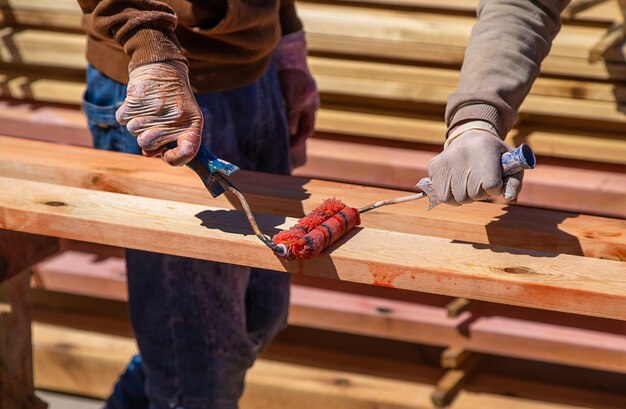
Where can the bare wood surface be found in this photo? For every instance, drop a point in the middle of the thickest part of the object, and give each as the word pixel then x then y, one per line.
pixel 530 278
pixel 99 272
pixel 282 196
pixel 596 191
pixel 282 384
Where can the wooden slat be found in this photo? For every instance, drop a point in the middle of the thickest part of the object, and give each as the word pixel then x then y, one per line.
pixel 551 281
pixel 515 332
pixel 550 186
pixel 80 361
pixel 375 80
pixel 563 188
pixel 480 222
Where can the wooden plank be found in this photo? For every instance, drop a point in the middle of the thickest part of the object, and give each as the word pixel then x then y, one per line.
pixel 80 361
pixel 566 188
pixel 276 384
pixel 355 79
pixel 550 281
pixel 608 145
pixel 563 188
pixel 480 222
pixel 601 344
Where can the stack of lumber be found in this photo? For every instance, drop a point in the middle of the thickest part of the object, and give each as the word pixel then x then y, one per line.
pixel 534 258
pixel 385 69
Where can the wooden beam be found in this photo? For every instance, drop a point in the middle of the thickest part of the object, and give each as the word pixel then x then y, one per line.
pixel 453 381
pixel 335 381
pixel 530 278
pixel 353 160
pixel 458 306
pixel 564 188
pixel 88 363
pixel 485 223
pixel 94 271
pixel 453 357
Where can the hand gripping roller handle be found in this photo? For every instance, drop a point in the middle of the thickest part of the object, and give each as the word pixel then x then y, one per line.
pixel 512 162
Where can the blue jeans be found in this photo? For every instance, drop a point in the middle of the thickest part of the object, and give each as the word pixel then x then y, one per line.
pixel 199 324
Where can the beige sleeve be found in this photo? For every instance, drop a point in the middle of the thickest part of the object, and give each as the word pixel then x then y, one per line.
pixel 508 43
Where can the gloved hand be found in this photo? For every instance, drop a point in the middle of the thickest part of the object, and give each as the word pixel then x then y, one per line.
pixel 469 169
pixel 160 108
pixel 298 87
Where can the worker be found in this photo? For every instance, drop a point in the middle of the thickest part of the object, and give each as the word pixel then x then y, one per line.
pixel 213 73
pixel 231 74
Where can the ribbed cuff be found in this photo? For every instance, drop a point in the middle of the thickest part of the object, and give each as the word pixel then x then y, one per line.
pixel 148 45
pixel 478 112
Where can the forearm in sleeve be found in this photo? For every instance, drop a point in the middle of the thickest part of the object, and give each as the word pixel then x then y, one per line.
pixel 145 28
pixel 508 43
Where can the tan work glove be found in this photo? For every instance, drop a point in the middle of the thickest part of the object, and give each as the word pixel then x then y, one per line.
pixel 298 87
pixel 160 108
pixel 469 168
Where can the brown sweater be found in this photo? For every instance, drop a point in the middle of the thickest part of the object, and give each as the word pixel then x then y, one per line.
pixel 227 43
pixel 502 60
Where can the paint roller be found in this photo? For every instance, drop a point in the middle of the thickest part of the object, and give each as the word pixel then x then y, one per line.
pixel 333 219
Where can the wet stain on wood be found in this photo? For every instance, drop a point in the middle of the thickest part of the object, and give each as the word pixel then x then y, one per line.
pixel 600 234
pixel 384 275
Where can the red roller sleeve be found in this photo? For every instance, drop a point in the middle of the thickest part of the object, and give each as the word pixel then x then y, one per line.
pixel 312 244
pixel 319 215
pixel 319 229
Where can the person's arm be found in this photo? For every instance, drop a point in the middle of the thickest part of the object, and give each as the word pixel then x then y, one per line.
pixel 145 28
pixel 508 43
pixel 298 86
pixel 159 107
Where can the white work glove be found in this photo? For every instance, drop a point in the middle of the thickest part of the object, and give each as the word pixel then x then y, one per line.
pixel 298 87
pixel 160 108
pixel 469 168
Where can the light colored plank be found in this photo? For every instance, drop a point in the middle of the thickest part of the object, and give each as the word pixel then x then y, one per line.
pixel 520 333
pixel 85 367
pixel 550 281
pixel 556 187
pixel 479 222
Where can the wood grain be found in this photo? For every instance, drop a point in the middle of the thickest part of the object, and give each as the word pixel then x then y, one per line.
pixel 485 223
pixel 95 271
pixel 551 281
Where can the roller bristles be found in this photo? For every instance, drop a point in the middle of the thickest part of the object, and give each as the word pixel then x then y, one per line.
pixel 319 215
pixel 319 229
pixel 314 242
